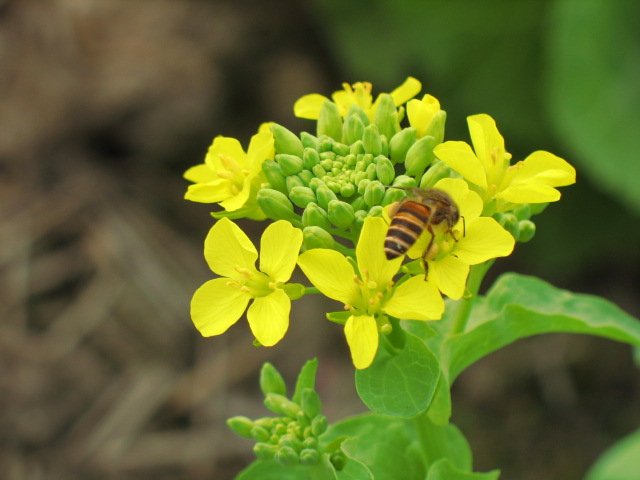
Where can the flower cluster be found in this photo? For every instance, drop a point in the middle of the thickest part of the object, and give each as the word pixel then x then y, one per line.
pixel 329 193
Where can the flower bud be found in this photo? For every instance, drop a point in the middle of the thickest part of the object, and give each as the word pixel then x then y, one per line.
pixel 404 181
pixel 264 451
pixel 289 164
pixel 311 403
pixel 306 176
pixel 319 425
pixel 330 121
pixel 374 193
pixel 310 442
pixel 362 185
pixel 280 404
pixel 386 116
pixel 293 181
pixel 522 211
pixel 375 211
pixel 338 460
pixel 436 127
pixel 261 434
pixel 241 426
pixel 340 213
pixel 357 148
pixel 289 440
pixel 392 195
pixel 308 140
pixel 315 216
pixel 400 143
pixel 353 129
pixel 271 381
pixel 527 230
pixel 358 203
pixel 347 190
pixel 325 195
pixel 420 156
pixel 437 171
pixel 286 141
pixel 302 196
pixel 384 170
pixel 302 420
pixel 510 223
pixel 287 456
pixel 315 182
pixel 340 149
pixel 309 457
pixel 276 205
pixel 274 175
pixel 310 158
pixel 371 140
pixel 316 237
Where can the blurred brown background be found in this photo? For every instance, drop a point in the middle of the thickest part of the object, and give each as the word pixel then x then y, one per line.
pixel 103 105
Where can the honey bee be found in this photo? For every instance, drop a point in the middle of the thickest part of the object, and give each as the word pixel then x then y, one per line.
pixel 421 210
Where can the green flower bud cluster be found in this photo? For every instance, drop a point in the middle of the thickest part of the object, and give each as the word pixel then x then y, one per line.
pixel 518 222
pixel 328 183
pixel 292 437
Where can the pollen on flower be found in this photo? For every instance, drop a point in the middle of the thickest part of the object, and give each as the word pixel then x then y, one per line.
pixel 243 271
pixel 357 280
pixel 371 285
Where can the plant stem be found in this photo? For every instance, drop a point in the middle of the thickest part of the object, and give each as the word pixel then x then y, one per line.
pixel 310 290
pixel 476 275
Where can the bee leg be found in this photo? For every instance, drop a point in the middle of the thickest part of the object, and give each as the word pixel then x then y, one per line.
pixel 426 253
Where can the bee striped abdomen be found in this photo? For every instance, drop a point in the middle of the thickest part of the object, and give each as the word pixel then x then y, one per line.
pixel 406 226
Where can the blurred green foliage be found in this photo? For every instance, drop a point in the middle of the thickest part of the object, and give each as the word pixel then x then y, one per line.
pixel 557 75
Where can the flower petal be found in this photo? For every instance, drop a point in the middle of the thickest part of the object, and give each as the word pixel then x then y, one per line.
pixel 460 157
pixel 227 247
pixel 200 174
pixel 362 336
pixel 260 149
pixel 370 252
pixel 487 142
pixel 415 299
pixel 238 199
pixel 484 239
pixel 331 273
pixel 212 192
pixel 215 306
pixel 529 193
pixel 226 146
pixel 279 249
pixel 405 92
pixel 269 317
pixel 309 106
pixel 450 274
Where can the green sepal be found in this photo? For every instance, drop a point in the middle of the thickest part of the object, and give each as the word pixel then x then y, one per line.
pixel 293 181
pixel 274 175
pixel 436 127
pixel 302 196
pixel 384 170
pixel 310 158
pixel 286 141
pixel 319 425
pixel 289 164
pixel 325 195
pixel 309 457
pixel 420 156
pixel 353 129
pixel 386 116
pixel 357 148
pixel 338 317
pixel 510 223
pixel 306 176
pixel 271 381
pixel 317 237
pixel 306 379
pixel 308 140
pixel 280 404
pixel 286 455
pixel 371 140
pixel 392 195
pixel 330 121
pixel 311 403
pixel 340 213
pixel 374 193
pixel 315 216
pixel 294 290
pixel 404 181
pixel 400 143
pixel 265 451
pixel 527 230
pixel 277 206
pixel 241 426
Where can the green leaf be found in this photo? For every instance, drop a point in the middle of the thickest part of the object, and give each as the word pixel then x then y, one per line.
pixel 593 89
pixel 443 470
pixel 518 306
pixel 306 379
pixel 323 470
pixel 620 462
pixel 400 385
pixel 443 442
pixel 394 449
pixel 271 470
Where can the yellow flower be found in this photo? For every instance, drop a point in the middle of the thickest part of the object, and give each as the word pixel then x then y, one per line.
pixel 423 114
pixel 357 94
pixel 488 168
pixel 370 294
pixel 220 303
pixel 231 177
pixel 473 240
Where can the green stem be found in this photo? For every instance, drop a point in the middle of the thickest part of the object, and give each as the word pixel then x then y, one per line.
pixel 311 290
pixel 476 275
